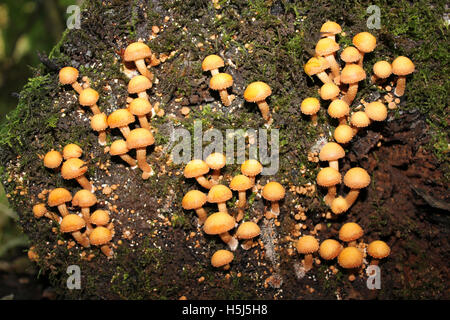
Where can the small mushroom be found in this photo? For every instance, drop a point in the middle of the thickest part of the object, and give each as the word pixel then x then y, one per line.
pixel 40 210
pixel 139 85
pixel 351 75
pixel 330 29
pixel 85 199
pixel 258 92
pixel 350 258
pixel 197 169
pixel 343 134
pixel 141 108
pixel 216 161
pixel 251 168
pixel 317 66
pixel 99 123
pixel 329 249
pixel 212 63
pixel 72 151
pixel 378 250
pixel 119 148
pixel 273 192
pixel 327 47
pixel 307 245
pixel 247 231
pixel 381 71
pixel 140 139
pixel 220 194
pixel 350 232
pixel 339 109
pixel 332 152
pixel 100 218
pixel 329 91
pixel 121 119
pixel 310 106
pixel 138 52
pixel 58 198
pixel 101 236
pixel 75 169
pixel 401 67
pixel 350 55
pixel 194 200
pixel 376 111
pixel 365 42
pixel 359 120
pixel 88 98
pixel 329 177
pixel 220 223
pixel 338 205
pixel 355 179
pixel 222 258
pixel 73 223
pixel 221 82
pixel 53 159
pixel 69 75
pixel 241 184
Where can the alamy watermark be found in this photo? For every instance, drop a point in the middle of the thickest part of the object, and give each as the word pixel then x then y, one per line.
pixel 74 279
pixel 74 19
pixel 373 277
pixel 374 20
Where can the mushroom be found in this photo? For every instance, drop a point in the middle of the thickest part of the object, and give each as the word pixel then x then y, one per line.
pixel 220 223
pixel 350 258
pixel 376 111
pixel 99 123
pixel 100 218
pixel 138 52
pixel 310 106
pixel 197 169
pixel 85 199
pixel 251 168
pixel 212 63
pixel 194 200
pixel 355 179
pixel 351 75
pixel 241 184
pixel 329 177
pixel 329 91
pixel 40 210
pixel 350 55
pixel 121 119
pixel 119 148
pixel 343 133
pixel 332 152
pixel 317 66
pixel 75 169
pixel 220 194
pixel 359 120
pixel 141 108
pixel 247 231
pixel 69 75
pixel 273 192
pixel 381 71
pixel 216 161
pixel 365 42
pixel 222 258
pixel 329 29
pixel 338 205
pixel 330 249
pixel 258 92
pixel 339 109
pixel 88 98
pixel 350 232
pixel 378 250
pixel 53 159
pixel 326 47
pixel 138 85
pixel 221 82
pixel 307 245
pixel 401 67
pixel 140 139
pixel 72 151
pixel 73 223
pixel 58 197
pixel 32 255
pixel 100 236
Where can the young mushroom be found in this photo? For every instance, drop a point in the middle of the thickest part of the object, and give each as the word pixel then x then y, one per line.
pixel 273 192
pixel 378 250
pixel 69 75
pixel 212 63
pixel 220 223
pixel 247 231
pixel 355 179
pixel 339 109
pixel 88 98
pixel 140 139
pixel 99 123
pixel 138 85
pixel 100 236
pixel 350 232
pixel 58 198
pixel 85 199
pixel 251 168
pixel 401 67
pixel 220 194
pixel 329 177
pixel 197 169
pixel 350 55
pixel 53 159
pixel 329 249
pixel 327 47
pixel 338 205
pixel 257 92
pixel 332 152
pixel 317 66
pixel 73 223
pixel 40 210
pixel 75 169
pixel 222 258
pixel 100 218
pixel 351 75
pixel 221 82
pixel 343 134
pixel 119 148
pixel 307 245
pixel 376 111
pixel 216 161
pixel 310 106
pixel 381 71
pixel 330 29
pixel 121 119
pixel 359 120
pixel 138 52
pixel 72 151
pixel 329 91
pixel 241 184
pixel 365 42
pixel 141 108
pixel 194 200
pixel 350 258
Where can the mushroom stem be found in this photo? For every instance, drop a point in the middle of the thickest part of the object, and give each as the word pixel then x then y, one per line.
pixel 324 77
pixel 374 262
pixel 87 218
pixel 77 87
pixel 400 87
pixel 334 164
pixel 102 138
pixel 330 195
pixel 343 120
pixel 308 262
pixel 314 119
pixel 85 183
pixel 214 72
pixel 334 66
pixel 351 197
pixel 351 93
pixel 63 209
pixel 144 122
pixel 205 183
pixel 125 131
pixel 215 176
pixel 360 62
pixel 128 159
pixel 352 243
pixel 247 244
pixel 240 215
pixel 226 101
pixel 242 199
pixel 229 240
pixel 143 95
pixel 52 216
pixel 202 215
pixel 222 207
pixel 81 239
pixel 142 160
pixel 275 208
pixel 107 251
pixel 95 109
pixel 264 108
pixel 142 67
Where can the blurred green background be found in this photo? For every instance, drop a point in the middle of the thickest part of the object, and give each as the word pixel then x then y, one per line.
pixel 26 28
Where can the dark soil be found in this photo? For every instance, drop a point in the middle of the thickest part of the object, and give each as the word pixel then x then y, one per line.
pixel 160 253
